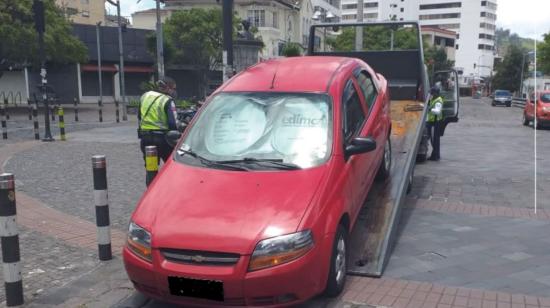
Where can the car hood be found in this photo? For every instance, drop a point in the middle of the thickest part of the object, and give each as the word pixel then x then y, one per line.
pixel 224 211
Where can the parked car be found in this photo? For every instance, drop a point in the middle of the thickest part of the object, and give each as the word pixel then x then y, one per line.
pixel 502 97
pixel 542 101
pixel 256 205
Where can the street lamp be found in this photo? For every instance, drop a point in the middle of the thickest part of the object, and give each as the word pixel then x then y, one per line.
pixel 323 17
pixel 521 78
pixel 121 56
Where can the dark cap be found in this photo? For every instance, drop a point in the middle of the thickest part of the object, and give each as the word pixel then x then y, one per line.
pixel 434 90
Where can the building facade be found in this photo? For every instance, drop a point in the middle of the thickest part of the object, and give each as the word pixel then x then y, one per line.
pixel 277 21
pixel 88 12
pixel 472 20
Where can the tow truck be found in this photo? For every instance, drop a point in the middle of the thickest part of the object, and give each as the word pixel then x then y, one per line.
pixel 394 50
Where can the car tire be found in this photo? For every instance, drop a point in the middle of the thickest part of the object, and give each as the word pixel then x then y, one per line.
pixel 525 120
pixel 539 125
pixel 493 104
pixel 385 167
pixel 410 185
pixel 338 264
pixel 508 104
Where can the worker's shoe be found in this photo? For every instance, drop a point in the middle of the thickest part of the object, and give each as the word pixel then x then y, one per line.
pixel 434 158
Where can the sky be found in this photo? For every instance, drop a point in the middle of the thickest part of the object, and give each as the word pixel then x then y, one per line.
pixel 528 18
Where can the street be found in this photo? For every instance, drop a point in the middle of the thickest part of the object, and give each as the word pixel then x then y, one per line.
pixel 468 223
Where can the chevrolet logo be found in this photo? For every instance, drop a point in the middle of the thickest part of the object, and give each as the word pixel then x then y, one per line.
pixel 198 258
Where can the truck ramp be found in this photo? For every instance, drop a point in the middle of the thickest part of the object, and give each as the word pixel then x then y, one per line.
pixel 372 238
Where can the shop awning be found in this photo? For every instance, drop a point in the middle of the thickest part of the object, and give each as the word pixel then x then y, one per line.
pixel 93 68
pixel 138 69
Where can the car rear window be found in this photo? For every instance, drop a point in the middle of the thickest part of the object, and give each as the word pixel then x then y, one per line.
pixel 503 93
pixel 545 98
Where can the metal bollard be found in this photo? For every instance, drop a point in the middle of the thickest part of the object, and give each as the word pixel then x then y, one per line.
pixel 3 120
pixel 100 104
pixel 6 109
pixel 35 119
pixel 61 115
pixel 151 163
pixel 99 166
pixel 13 282
pixel 75 102
pixel 52 111
pixel 117 112
pixel 29 108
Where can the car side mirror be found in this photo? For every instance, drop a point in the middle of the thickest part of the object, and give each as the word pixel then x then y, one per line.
pixel 360 145
pixel 172 137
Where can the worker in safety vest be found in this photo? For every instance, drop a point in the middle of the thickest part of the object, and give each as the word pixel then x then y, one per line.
pixel 435 121
pixel 157 115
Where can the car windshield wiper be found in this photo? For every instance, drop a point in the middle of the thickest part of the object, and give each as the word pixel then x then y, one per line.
pixel 210 163
pixel 274 162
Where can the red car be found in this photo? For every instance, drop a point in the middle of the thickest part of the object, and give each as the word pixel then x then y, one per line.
pixel 542 101
pixel 264 187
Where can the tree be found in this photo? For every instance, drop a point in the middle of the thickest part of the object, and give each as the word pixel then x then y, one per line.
pixel 508 72
pixel 543 54
pixel 292 50
pixel 194 38
pixel 19 40
pixel 436 60
pixel 376 38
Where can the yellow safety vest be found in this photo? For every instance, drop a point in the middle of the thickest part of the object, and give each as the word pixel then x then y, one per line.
pixel 431 116
pixel 153 115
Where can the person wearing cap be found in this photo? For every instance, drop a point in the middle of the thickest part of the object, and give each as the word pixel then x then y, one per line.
pixel 157 115
pixel 434 121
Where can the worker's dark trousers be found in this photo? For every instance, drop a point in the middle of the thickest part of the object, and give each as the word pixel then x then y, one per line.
pixel 434 131
pixel 163 148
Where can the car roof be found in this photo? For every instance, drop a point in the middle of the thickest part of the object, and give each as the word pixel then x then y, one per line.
pixel 294 74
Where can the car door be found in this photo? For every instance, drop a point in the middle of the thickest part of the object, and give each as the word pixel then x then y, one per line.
pixel 376 123
pixel 353 119
pixel 530 106
pixel 448 85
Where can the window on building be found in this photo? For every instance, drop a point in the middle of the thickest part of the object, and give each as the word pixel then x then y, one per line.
pixel 485 47
pixel 370 4
pixel 370 16
pixel 486 25
pixel 439 16
pixel 85 2
pixel 448 26
pixel 457 36
pixel 402 10
pixel 349 17
pixel 440 6
pixel 486 36
pixel 85 13
pixel 489 4
pixel 456 46
pixel 256 18
pixel 70 11
pixel 275 20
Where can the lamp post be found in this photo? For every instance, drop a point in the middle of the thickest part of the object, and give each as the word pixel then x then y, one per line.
pixel 521 78
pixel 121 56
pixel 99 70
pixel 323 16
pixel 359 30
pixel 160 43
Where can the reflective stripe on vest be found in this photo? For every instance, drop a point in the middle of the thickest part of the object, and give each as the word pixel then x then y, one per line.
pixel 156 118
pixel 431 116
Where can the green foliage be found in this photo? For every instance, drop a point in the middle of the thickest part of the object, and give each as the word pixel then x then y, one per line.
pixel 376 38
pixel 19 40
pixel 148 86
pixel 504 39
pixel 292 50
pixel 543 54
pixel 508 73
pixel 435 59
pixel 194 37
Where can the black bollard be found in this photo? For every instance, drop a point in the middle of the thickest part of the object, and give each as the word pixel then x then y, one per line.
pixel 4 123
pixel 35 121
pixel 151 164
pixel 6 109
pixel 52 111
pixel 13 282
pixel 61 115
pixel 117 112
pixel 99 166
pixel 75 102
pixel 100 104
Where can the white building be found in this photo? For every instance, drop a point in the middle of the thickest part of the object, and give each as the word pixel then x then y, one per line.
pixel 472 20
pixel 277 21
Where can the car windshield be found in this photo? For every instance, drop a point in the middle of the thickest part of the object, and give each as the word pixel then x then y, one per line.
pixel 502 93
pixel 545 98
pixel 262 131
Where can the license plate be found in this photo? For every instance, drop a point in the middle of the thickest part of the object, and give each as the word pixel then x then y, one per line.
pixel 207 289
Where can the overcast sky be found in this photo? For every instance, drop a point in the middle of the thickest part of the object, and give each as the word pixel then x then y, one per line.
pixel 528 18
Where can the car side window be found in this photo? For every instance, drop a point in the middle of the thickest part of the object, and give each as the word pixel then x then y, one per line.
pixel 367 87
pixel 354 116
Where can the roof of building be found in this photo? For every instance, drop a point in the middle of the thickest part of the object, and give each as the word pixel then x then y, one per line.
pixel 294 74
pixel 437 29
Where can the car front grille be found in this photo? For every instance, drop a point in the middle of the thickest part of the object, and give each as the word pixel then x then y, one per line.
pixel 197 257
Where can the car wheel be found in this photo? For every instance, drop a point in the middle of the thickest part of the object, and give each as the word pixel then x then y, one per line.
pixel 338 264
pixel 493 104
pixel 410 186
pixel 385 166
pixel 508 104
pixel 539 125
pixel 525 120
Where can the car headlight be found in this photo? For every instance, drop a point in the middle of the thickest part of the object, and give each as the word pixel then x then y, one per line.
pixel 139 241
pixel 546 109
pixel 281 249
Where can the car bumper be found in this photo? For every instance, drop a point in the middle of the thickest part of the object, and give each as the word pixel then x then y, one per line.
pixel 502 102
pixel 286 284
